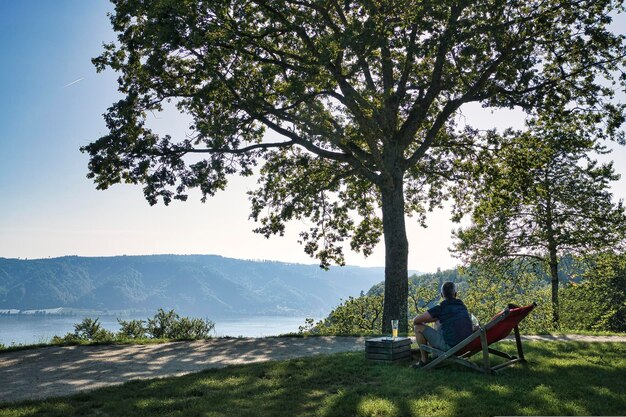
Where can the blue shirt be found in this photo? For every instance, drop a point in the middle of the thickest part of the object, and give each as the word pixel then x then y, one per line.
pixel 455 320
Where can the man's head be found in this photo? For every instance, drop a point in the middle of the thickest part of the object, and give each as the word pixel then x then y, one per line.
pixel 448 290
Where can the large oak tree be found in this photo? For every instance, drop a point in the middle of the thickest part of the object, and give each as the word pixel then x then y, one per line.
pixel 362 93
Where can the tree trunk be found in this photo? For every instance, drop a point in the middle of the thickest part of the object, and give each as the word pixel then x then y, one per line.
pixel 395 305
pixel 553 261
pixel 554 275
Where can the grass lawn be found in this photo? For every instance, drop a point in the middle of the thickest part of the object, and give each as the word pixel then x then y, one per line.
pixel 561 379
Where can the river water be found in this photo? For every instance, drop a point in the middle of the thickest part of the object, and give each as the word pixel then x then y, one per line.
pixel 22 329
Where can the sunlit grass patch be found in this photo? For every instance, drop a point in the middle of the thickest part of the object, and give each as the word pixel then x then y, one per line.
pixel 377 407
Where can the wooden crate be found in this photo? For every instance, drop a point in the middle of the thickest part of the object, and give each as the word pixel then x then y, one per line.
pixel 388 349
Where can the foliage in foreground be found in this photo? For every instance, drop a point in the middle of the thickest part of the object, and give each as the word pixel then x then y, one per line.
pixel 164 325
pixel 483 297
pixel 361 315
pixel 561 379
pixel 598 302
pixel 593 299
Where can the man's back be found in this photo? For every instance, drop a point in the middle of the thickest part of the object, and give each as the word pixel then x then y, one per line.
pixel 454 318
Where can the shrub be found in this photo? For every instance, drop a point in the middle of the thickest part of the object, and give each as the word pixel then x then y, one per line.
pixel 68 339
pixel 361 315
pixel 192 328
pixel 89 330
pixel 133 329
pixel 164 325
pixel 598 302
pixel 484 297
pixel 169 325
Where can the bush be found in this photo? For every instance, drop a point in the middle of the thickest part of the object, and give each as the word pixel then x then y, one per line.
pixel 89 330
pixel 361 315
pixel 598 302
pixel 169 325
pixel 68 339
pixel 192 329
pixel 133 329
pixel 595 303
pixel 164 325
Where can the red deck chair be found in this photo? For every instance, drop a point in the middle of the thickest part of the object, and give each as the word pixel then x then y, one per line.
pixel 497 329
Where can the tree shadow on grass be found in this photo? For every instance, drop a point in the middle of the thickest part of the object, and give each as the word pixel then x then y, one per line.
pixel 561 378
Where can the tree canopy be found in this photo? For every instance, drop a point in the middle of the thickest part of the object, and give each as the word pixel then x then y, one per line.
pixel 362 94
pixel 541 196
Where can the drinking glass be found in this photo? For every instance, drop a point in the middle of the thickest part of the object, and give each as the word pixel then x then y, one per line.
pixel 394 328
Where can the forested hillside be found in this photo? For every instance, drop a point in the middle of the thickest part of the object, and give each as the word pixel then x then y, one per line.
pixel 592 289
pixel 192 284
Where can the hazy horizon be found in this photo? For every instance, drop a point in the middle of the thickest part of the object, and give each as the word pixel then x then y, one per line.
pixel 312 261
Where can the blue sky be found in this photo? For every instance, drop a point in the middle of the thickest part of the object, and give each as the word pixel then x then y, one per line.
pixel 49 208
pixel 45 46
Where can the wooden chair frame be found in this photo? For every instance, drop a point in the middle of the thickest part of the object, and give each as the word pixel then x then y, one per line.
pixel 481 333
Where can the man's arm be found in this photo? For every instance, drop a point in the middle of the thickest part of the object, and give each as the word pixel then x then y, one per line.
pixel 423 318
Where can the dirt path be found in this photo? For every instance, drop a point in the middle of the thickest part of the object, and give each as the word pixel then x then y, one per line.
pixel 59 371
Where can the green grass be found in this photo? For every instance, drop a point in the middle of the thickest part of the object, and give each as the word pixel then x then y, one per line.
pixel 561 379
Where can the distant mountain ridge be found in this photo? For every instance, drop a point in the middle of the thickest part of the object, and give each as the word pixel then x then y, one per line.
pixel 208 285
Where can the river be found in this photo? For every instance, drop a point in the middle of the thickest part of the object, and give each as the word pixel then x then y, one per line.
pixel 22 329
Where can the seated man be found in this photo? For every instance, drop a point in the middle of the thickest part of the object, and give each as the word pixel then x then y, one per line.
pixel 454 319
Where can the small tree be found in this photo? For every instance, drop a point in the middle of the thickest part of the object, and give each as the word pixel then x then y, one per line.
pixel 540 196
pixel 360 94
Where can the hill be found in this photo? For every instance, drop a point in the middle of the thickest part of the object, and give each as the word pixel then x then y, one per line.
pixel 191 284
